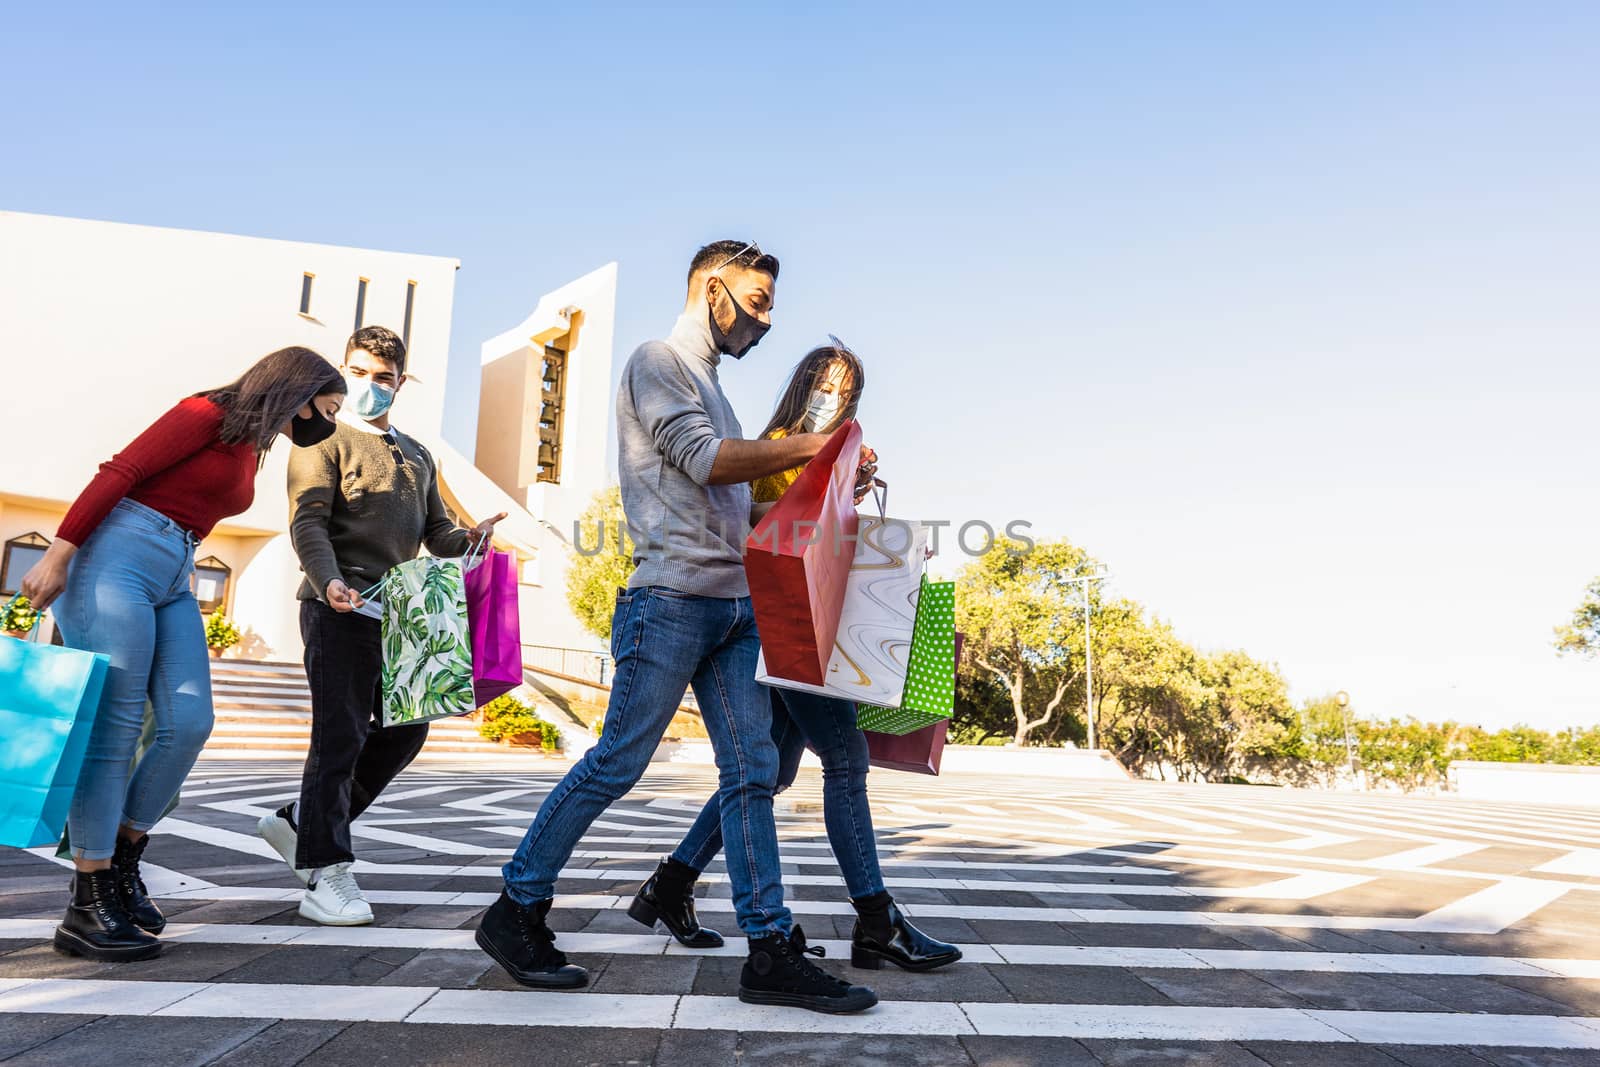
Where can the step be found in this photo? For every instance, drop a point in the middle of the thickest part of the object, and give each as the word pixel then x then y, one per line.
pixel 285 744
pixel 255 690
pixel 303 730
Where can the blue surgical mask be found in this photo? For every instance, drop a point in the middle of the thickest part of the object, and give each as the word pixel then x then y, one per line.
pixel 369 399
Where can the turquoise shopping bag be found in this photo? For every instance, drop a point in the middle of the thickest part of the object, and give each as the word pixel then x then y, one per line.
pixel 48 700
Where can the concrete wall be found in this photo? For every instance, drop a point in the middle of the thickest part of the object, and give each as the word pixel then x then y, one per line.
pixel 508 438
pixel 1538 783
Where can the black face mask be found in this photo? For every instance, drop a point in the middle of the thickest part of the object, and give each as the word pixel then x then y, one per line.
pixel 313 431
pixel 745 333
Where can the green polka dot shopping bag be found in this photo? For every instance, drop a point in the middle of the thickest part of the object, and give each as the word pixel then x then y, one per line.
pixel 930 693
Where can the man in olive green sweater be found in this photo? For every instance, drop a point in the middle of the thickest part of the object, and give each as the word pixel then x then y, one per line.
pixel 364 501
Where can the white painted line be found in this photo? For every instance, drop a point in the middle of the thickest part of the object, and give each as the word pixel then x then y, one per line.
pixel 1128 1023
pixel 1043 955
pixel 493 1007
pixel 422 841
pixel 84 996
pixel 215 835
pixel 1584 862
pixel 1568 968
pixel 249 1000
pixel 1491 910
pixel 1424 855
pixel 427 1004
pixel 889 1017
pixel 1445 1028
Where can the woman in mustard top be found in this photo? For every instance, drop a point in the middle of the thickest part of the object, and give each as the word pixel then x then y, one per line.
pixel 822 393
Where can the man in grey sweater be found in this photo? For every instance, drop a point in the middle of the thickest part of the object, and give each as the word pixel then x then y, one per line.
pixel 685 619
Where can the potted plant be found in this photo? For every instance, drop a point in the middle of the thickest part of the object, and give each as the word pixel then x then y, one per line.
pixel 508 719
pixel 221 634
pixel 18 618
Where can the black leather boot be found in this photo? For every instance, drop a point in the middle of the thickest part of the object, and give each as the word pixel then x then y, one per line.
pixel 522 942
pixel 884 933
pixel 130 887
pixel 778 972
pixel 668 895
pixel 97 926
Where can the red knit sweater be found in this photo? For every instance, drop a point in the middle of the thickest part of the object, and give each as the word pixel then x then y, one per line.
pixel 177 467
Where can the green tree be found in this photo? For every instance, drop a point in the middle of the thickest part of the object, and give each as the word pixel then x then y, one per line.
pixel 1581 634
pixel 1023 621
pixel 602 563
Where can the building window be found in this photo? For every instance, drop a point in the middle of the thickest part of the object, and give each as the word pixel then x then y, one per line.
pixel 361 302
pixel 21 554
pixel 553 401
pixel 210 583
pixel 305 293
pixel 411 299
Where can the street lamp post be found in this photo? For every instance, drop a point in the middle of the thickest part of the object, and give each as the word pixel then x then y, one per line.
pixel 1349 748
pixel 1088 652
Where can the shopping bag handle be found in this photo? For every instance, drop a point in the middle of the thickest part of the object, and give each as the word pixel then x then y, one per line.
pixel 476 554
pixel 880 496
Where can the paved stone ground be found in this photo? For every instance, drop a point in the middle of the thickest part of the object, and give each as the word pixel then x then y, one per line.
pixel 1103 924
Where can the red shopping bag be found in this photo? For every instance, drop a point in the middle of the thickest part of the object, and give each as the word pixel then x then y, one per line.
pixel 798 561
pixel 495 622
pixel 918 752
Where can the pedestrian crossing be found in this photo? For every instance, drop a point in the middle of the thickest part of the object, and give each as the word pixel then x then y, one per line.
pixel 1206 924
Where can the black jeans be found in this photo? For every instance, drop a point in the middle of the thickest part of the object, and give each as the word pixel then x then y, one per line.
pixel 353 756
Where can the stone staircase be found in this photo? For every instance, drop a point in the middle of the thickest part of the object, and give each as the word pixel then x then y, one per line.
pixel 263 711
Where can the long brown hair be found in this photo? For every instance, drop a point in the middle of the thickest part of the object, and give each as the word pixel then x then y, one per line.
pixel 257 406
pixel 808 374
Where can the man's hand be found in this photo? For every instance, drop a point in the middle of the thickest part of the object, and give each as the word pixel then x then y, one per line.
pixel 342 598
pixel 485 529
pixel 45 579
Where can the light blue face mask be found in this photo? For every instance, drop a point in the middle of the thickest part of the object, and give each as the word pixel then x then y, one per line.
pixel 369 399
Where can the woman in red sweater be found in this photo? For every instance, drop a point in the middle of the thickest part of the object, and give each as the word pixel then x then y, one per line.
pixel 121 566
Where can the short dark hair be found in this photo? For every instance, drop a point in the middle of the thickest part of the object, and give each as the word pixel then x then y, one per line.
pixel 746 254
pixel 381 342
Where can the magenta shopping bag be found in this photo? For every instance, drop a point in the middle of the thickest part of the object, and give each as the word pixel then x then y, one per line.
pixel 495 622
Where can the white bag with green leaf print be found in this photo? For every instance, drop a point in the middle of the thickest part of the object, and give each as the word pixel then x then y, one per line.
pixel 427 648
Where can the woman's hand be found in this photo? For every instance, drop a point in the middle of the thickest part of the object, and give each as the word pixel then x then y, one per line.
pixel 44 582
pixel 865 473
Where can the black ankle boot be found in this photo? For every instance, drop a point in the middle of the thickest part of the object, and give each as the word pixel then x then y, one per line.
pixel 130 887
pixel 778 972
pixel 668 895
pixel 884 933
pixel 97 926
pixel 522 942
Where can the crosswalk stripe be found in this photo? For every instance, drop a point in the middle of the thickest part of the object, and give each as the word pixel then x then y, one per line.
pixel 1001 954
pixel 430 1004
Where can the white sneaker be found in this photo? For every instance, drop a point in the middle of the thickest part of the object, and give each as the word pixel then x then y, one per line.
pixel 276 830
pixel 332 898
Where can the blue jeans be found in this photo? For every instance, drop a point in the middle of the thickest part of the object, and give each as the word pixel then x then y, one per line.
pixel 128 596
pixel 665 641
pixel 828 725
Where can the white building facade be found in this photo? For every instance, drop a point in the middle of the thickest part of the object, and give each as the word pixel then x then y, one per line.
pixel 104 326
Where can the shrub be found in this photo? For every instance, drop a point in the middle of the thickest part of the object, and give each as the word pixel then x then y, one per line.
pixel 220 633
pixel 18 616
pixel 507 716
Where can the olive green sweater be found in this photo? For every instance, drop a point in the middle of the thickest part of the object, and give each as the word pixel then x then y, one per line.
pixel 356 510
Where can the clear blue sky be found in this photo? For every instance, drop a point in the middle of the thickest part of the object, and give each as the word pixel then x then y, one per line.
pixel 1287 312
